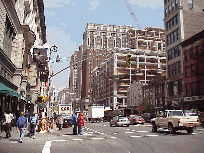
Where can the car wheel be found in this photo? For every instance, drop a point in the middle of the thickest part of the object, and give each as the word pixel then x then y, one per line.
pixel 203 123
pixel 110 124
pixel 142 123
pixel 154 127
pixel 189 130
pixel 128 125
pixel 171 129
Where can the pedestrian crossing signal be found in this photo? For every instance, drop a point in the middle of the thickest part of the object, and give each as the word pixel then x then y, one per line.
pixel 128 60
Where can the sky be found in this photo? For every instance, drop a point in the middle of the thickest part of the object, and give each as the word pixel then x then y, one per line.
pixel 66 21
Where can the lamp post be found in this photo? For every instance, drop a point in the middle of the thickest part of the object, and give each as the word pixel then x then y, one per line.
pixel 52 49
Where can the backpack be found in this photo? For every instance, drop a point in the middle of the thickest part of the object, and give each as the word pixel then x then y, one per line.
pixel 32 120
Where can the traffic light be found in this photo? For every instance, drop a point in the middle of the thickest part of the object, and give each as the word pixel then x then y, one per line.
pixel 128 60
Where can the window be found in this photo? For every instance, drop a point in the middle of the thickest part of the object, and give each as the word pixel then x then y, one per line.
pixel 165 12
pixel 175 51
pixel 172 51
pixel 193 89
pixel 197 50
pixel 176 68
pixel 179 67
pixel 193 71
pixel 186 71
pixel 187 89
pixel 190 4
pixel 172 6
pixel 176 3
pixel 169 70
pixel 185 55
pixel 179 50
pixel 203 48
pixel 172 38
pixel 168 40
pixel 192 54
pixel 177 19
pixel 169 8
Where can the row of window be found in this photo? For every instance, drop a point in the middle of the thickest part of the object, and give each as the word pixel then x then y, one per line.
pixel 174 69
pixel 195 52
pixel 195 88
pixel 159 89
pixel 173 37
pixel 174 21
pixel 171 7
pixel 194 70
pixel 174 52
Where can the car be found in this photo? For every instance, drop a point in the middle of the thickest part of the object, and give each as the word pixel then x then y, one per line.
pixel 134 119
pixel 148 116
pixel 67 120
pixel 119 121
pixel 201 116
pixel 189 113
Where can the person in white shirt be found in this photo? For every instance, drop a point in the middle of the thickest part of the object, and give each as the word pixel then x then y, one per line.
pixel 11 116
pixel 7 124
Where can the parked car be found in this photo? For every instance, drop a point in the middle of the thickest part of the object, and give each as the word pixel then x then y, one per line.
pixel 189 113
pixel 148 116
pixel 119 121
pixel 134 119
pixel 67 121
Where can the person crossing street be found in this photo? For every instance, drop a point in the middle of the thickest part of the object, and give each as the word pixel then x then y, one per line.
pixel 21 125
pixel 33 121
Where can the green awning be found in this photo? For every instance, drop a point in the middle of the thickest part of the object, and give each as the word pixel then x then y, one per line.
pixel 8 91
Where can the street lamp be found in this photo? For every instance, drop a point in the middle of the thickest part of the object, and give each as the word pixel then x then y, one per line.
pixel 52 49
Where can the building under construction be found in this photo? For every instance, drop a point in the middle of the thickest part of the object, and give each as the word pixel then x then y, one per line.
pixel 110 80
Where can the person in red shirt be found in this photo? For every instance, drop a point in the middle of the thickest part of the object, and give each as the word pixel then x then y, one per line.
pixel 80 123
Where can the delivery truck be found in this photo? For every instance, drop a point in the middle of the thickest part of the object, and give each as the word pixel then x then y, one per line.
pixel 95 113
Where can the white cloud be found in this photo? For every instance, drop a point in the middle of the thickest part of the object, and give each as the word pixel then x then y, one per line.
pixel 50 13
pixel 56 3
pixel 147 3
pixel 94 4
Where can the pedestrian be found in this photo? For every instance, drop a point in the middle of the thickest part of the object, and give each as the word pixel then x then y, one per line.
pixel 21 125
pixel 7 124
pixel 74 122
pixel 33 121
pixel 12 119
pixel 27 116
pixel 55 117
pixel 80 123
pixel 60 122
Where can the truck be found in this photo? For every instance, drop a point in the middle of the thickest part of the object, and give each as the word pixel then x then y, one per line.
pixel 174 120
pixel 95 113
pixel 66 111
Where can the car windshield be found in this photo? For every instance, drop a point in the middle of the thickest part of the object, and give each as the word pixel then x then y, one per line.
pixel 137 117
pixel 175 113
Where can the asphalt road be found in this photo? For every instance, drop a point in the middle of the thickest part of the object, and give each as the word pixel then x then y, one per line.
pixel 100 137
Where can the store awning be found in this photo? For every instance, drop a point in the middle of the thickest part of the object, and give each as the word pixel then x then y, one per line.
pixel 8 91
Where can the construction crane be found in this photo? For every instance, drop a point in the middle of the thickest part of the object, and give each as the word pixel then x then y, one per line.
pixel 133 14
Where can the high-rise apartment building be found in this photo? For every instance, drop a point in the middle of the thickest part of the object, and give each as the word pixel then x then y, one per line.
pixel 98 40
pixel 182 19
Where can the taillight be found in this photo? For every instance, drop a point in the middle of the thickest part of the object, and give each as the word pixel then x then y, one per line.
pixel 118 120
pixel 128 119
pixel 178 120
pixel 198 120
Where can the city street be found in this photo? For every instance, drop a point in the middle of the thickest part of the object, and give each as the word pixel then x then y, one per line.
pixel 100 137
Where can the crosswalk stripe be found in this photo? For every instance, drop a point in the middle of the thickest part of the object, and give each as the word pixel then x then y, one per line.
pixel 96 138
pixel 135 136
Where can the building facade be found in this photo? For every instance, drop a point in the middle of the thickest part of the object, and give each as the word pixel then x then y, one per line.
pixel 182 19
pixel 193 66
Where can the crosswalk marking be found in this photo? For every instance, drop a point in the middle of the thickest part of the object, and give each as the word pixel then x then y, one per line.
pixel 129 132
pixel 77 139
pixel 135 136
pixel 96 138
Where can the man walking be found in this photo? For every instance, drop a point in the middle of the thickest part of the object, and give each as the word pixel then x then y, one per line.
pixel 7 124
pixel 81 123
pixel 74 122
pixel 21 124
pixel 33 121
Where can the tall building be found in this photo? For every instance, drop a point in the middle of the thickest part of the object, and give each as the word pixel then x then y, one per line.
pixel 98 41
pixel 182 19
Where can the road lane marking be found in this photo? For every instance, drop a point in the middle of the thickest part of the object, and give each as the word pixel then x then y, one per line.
pixel 151 135
pixel 76 139
pixel 113 137
pixel 47 146
pixel 133 130
pixel 135 136
pixel 59 140
pixel 96 138
pixel 128 129
pixel 142 131
pixel 129 132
